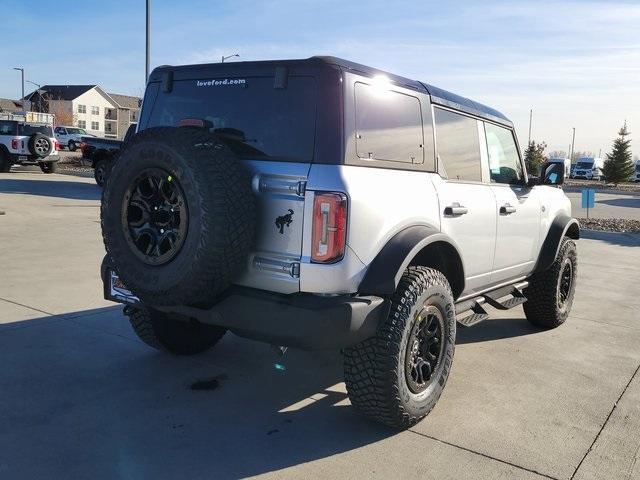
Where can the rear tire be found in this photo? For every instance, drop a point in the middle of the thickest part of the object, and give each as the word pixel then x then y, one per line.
pixel 48 167
pixel 393 377
pixel 166 333
pixel 72 146
pixel 550 293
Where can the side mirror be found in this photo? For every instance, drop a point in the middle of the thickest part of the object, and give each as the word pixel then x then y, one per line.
pixel 552 174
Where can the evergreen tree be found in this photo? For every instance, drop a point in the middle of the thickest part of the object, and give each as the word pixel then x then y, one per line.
pixel 534 157
pixel 618 167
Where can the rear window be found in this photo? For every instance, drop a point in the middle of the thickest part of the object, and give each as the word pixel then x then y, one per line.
pixel 256 119
pixel 7 127
pixel 388 125
pixel 28 130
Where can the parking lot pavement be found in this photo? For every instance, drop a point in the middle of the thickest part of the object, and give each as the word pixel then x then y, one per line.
pixel 608 205
pixel 83 398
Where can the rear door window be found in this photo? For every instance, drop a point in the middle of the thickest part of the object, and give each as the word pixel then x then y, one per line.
pixel 458 146
pixel 388 125
pixel 255 119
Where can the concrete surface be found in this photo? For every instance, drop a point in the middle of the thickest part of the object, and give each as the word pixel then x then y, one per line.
pixel 83 398
pixel 608 205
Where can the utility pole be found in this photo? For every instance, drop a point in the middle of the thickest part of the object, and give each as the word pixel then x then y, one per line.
pixel 573 139
pixel 22 72
pixel 530 119
pixel 148 46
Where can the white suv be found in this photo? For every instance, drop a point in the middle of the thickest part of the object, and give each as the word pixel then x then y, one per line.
pixel 323 204
pixel 70 137
pixel 27 143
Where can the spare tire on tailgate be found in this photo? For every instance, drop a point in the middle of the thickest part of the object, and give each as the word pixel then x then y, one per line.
pixel 178 216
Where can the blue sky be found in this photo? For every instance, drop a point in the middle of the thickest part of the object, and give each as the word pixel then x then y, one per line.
pixel 577 64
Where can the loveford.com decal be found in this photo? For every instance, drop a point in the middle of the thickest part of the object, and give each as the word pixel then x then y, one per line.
pixel 221 82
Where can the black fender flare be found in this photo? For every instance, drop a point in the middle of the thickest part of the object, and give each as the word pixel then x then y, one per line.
pixel 562 226
pixel 386 269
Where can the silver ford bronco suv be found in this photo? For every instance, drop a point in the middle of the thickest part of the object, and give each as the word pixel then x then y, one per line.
pixel 323 204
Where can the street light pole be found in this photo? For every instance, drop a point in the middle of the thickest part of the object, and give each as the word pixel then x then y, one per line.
pixel 33 83
pixel 229 56
pixel 573 139
pixel 22 72
pixel 148 45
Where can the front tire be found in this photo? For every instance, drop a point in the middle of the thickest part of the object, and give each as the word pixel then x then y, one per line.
pixel 166 333
pixel 550 293
pixel 72 146
pixel 5 164
pixel 101 171
pixel 397 377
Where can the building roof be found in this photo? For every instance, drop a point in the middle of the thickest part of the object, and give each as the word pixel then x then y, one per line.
pixel 126 101
pixel 63 92
pixel 8 105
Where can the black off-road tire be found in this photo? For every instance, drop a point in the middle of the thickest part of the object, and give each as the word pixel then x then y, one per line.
pixel 544 306
pixel 375 371
pixel 181 337
pixel 72 146
pixel 48 167
pixel 5 163
pixel 101 171
pixel 220 209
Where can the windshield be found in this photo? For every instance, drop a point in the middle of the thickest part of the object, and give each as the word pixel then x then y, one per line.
pixel 255 119
pixel 638 168
pixel 28 130
pixel 76 131
pixel 584 165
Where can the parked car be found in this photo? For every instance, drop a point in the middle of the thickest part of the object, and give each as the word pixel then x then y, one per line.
pixel 636 173
pixel 27 143
pixel 589 168
pixel 103 152
pixel 566 164
pixel 304 203
pixel 71 137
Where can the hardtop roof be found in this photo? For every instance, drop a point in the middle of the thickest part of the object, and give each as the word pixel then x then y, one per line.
pixel 438 95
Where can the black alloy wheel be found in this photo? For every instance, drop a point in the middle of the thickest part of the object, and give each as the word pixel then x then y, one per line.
pixel 424 349
pixel 564 282
pixel 155 216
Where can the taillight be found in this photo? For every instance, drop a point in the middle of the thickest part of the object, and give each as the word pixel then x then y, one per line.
pixel 15 144
pixel 57 145
pixel 329 227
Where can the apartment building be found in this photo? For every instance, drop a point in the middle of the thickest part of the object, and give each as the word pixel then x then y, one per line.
pixel 87 106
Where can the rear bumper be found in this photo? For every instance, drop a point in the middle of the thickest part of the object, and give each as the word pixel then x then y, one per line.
pixel 302 320
pixel 32 159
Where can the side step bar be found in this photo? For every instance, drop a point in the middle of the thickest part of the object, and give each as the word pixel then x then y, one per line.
pixel 478 313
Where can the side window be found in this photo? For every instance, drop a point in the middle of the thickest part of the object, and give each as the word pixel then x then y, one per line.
pixel 504 162
pixel 388 125
pixel 458 146
pixel 7 128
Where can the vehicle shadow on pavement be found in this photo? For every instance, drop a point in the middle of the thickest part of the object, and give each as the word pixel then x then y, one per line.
pixel 495 329
pixel 51 188
pixel 614 238
pixel 622 202
pixel 83 398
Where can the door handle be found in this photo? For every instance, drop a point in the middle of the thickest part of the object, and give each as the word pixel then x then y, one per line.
pixel 507 209
pixel 455 210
